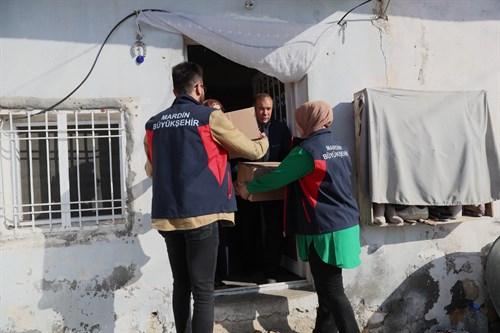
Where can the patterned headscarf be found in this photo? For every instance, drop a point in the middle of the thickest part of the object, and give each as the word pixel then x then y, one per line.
pixel 312 116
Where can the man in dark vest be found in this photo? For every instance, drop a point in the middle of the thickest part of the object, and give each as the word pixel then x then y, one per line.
pixel 259 224
pixel 187 146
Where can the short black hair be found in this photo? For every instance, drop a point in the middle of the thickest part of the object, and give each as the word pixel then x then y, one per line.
pixel 261 95
pixel 185 76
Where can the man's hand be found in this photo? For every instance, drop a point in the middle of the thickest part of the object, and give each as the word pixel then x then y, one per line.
pixel 236 188
pixel 262 135
pixel 242 190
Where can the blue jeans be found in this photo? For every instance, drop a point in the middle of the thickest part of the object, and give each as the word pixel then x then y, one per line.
pixel 334 313
pixel 193 256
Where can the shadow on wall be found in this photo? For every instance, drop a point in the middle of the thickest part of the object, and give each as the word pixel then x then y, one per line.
pixel 80 279
pixel 343 129
pixel 343 125
pixel 374 237
pixel 451 281
pixel 143 220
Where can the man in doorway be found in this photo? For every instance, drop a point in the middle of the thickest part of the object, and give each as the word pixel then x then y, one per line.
pixel 187 147
pixel 260 224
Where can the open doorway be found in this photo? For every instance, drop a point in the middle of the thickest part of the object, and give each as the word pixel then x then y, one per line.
pixel 226 81
pixel 234 86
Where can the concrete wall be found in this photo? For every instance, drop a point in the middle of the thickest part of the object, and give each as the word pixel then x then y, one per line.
pixel 412 279
pixel 419 275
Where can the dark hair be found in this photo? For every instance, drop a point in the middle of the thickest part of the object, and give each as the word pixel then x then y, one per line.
pixel 261 95
pixel 185 76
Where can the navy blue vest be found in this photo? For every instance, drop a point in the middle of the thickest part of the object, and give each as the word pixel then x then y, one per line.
pixel 322 201
pixel 191 173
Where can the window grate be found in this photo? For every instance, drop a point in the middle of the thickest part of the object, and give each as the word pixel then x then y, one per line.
pixel 62 168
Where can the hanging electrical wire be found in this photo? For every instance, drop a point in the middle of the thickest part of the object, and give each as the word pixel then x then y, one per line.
pixel 340 22
pixel 385 10
pixel 139 49
pixel 99 53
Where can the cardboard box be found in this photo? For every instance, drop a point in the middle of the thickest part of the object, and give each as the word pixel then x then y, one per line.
pixel 245 121
pixel 248 171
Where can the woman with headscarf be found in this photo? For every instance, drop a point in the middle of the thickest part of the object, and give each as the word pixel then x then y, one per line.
pixel 320 210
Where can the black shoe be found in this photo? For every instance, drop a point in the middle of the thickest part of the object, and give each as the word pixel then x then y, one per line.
pixel 219 283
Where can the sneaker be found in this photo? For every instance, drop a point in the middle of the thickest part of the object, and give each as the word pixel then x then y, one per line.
pixel 219 283
pixel 455 211
pixel 444 213
pixel 392 217
pixel 474 210
pixel 378 214
pixel 413 213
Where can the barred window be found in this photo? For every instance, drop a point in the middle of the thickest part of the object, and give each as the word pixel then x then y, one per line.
pixel 62 168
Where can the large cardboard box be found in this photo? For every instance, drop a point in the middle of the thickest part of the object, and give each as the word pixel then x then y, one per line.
pixel 248 171
pixel 245 121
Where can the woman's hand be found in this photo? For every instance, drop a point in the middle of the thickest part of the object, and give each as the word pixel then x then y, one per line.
pixel 242 190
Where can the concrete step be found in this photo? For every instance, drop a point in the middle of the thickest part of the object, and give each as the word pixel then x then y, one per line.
pixel 286 307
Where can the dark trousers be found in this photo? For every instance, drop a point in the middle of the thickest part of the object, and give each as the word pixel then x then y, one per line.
pixel 259 235
pixel 222 268
pixel 334 312
pixel 193 256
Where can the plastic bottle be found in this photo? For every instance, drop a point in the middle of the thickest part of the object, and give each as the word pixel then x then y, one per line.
pixel 475 321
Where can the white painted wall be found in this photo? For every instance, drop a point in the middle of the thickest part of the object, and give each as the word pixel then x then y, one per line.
pixel 52 281
pixel 427 45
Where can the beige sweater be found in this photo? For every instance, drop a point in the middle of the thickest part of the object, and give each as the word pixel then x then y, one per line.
pixel 237 145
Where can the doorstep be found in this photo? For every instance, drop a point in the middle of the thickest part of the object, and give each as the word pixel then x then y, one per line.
pixel 278 307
